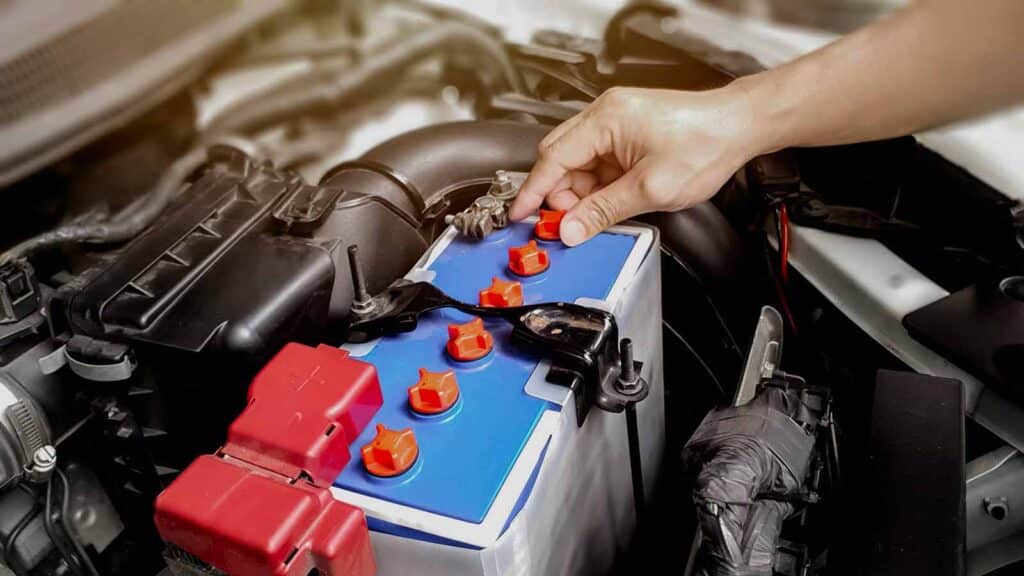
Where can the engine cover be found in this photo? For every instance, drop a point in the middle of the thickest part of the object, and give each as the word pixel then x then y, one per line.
pixel 214 273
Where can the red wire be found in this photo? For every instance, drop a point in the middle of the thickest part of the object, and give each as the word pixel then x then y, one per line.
pixel 784 243
pixel 783 278
pixel 786 310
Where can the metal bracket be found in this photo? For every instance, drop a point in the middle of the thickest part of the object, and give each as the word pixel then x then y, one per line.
pixel 765 354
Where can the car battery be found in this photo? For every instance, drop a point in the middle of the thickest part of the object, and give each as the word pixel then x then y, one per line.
pixel 444 450
pixel 475 463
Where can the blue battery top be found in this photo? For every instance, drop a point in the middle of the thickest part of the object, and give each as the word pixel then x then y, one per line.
pixel 466 453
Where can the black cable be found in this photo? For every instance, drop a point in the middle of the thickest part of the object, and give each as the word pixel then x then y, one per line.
pixel 72 429
pixel 731 340
pixel 13 537
pixel 67 528
pixel 280 103
pixel 9 482
pixel 127 224
pixel 703 364
pixel 635 465
pixel 52 532
pixel 79 560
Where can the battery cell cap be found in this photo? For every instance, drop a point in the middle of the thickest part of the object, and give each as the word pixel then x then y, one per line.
pixel 547 227
pixel 469 341
pixel 391 452
pixel 528 260
pixel 434 393
pixel 502 294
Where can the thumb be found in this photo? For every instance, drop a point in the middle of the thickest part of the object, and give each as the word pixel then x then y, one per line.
pixel 610 205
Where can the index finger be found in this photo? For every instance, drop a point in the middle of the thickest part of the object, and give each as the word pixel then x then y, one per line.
pixel 576 148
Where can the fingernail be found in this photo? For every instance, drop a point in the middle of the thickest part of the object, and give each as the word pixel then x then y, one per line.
pixel 572 232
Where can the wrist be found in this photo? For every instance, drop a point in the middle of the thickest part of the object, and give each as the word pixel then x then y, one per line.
pixel 770 118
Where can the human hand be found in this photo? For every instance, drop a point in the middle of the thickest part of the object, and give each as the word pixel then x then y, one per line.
pixel 637 150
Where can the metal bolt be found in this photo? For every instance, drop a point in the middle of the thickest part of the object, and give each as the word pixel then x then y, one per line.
pixel 362 302
pixel 501 187
pixel 629 380
pixel 626 356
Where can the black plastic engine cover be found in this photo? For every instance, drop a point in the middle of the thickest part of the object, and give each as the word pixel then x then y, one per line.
pixel 213 273
pixel 244 261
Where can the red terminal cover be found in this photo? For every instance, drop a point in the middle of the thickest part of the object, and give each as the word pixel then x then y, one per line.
pixel 305 408
pixel 261 506
pixel 245 521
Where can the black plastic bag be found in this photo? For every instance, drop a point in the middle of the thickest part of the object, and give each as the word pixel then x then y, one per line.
pixel 738 454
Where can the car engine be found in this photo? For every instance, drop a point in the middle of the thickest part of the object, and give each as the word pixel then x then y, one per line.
pixel 234 192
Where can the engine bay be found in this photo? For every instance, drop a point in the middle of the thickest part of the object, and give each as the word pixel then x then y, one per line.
pixel 273 319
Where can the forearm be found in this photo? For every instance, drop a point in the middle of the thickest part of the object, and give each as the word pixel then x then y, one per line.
pixel 936 62
pixel 634 151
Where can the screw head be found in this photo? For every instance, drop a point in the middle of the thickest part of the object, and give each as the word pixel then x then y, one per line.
pixel 45 458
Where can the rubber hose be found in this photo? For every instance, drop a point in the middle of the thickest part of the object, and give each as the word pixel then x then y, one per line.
pixel 135 217
pixel 438 158
pixel 282 103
